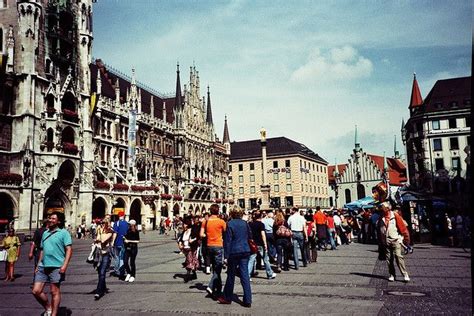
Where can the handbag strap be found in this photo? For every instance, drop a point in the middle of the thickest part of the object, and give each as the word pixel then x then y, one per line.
pixel 50 236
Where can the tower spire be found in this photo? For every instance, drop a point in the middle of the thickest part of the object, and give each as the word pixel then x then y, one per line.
pixel 178 101
pixel 395 151
pixel 209 110
pixel 415 100
pixel 356 140
pixel 226 139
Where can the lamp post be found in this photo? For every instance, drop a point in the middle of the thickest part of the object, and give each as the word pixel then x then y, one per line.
pixel 38 199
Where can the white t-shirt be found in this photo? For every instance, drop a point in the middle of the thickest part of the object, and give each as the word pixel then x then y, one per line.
pixel 296 222
pixel 337 220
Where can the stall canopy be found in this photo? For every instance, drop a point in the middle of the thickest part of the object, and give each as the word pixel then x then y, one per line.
pixel 366 202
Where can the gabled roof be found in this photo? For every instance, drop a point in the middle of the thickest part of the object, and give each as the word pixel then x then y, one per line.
pixel 447 91
pixel 396 169
pixel 109 80
pixel 415 99
pixel 277 146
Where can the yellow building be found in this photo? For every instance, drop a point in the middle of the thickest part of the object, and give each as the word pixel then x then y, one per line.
pixel 297 176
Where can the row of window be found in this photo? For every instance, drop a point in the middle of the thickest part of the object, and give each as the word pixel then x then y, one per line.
pixel 455 163
pixel 276 177
pixel 289 188
pixel 453 143
pixel 452 123
pixel 303 164
pixel 276 202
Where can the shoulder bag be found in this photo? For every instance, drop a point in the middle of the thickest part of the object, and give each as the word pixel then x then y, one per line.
pixel 252 244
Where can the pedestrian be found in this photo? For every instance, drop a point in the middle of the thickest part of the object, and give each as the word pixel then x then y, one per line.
pixel 259 236
pixel 297 224
pixel 268 222
pixel 212 234
pixel 311 248
pixel 321 228
pixel 56 252
pixel 105 241
pixel 392 234
pixel 121 228
pixel 11 243
pixel 93 229
pixel 331 230
pixel 237 253
pixel 35 246
pixel 131 240
pixel 188 243
pixel 282 235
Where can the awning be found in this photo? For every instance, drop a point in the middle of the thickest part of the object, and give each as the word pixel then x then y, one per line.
pixel 366 202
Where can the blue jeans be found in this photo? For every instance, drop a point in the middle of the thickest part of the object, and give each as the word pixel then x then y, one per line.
pixel 283 247
pixel 102 270
pixel 298 241
pixel 271 245
pixel 119 252
pixel 266 261
pixel 242 261
pixel 331 232
pixel 216 254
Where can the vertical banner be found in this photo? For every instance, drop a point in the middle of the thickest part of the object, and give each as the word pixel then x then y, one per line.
pixel 132 139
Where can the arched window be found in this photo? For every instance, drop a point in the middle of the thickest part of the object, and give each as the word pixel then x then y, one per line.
pixel 348 195
pixel 360 191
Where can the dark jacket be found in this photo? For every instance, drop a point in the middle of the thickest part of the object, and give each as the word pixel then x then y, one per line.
pixel 236 238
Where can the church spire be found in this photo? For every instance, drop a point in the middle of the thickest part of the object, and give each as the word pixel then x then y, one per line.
pixel 178 101
pixel 395 151
pixel 226 138
pixel 416 99
pixel 356 141
pixel 209 110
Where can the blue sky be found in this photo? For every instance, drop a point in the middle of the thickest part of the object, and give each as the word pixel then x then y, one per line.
pixel 307 70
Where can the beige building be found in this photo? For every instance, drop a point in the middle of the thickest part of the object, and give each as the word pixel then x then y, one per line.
pixel 297 176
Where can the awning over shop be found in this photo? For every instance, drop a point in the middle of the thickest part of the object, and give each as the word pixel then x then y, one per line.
pixel 366 202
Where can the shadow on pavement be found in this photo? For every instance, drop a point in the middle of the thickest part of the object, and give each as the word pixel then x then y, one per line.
pixel 64 311
pixel 199 286
pixel 460 256
pixel 369 275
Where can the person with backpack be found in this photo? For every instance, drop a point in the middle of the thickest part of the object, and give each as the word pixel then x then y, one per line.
pixel 393 235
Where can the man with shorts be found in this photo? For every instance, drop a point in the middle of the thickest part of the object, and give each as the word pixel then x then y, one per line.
pixel 55 254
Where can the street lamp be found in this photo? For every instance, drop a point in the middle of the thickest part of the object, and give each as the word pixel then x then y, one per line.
pixel 38 199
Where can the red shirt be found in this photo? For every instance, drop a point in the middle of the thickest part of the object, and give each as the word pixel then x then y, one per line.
pixel 330 221
pixel 320 218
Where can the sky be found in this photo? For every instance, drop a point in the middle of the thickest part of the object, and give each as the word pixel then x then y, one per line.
pixel 306 70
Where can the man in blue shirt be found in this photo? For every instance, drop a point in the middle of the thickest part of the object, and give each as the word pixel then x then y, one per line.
pixel 56 252
pixel 120 228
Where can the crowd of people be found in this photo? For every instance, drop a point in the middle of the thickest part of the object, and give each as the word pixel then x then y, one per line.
pixel 241 242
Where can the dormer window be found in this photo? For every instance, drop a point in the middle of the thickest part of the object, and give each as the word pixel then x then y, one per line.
pixel 453 104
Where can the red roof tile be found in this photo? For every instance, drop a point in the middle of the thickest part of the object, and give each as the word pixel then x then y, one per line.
pixel 416 99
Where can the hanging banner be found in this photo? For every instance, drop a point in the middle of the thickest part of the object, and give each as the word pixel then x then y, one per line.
pixel 132 138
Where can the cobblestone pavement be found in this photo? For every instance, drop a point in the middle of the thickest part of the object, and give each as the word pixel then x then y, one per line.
pixel 347 281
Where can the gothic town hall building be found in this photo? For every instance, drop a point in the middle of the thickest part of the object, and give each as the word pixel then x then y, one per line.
pixel 87 140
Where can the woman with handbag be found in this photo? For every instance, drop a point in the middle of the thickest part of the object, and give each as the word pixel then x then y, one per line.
pixel 105 239
pixel 11 244
pixel 282 235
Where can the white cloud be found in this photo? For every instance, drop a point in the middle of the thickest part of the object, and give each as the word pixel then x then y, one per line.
pixel 341 63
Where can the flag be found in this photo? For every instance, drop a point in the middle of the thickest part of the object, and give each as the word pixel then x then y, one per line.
pixel 93 104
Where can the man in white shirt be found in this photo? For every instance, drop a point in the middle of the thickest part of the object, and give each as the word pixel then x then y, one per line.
pixel 297 224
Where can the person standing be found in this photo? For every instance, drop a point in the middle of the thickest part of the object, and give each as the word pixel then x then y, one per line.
pixel 331 230
pixel 212 233
pixel 105 239
pixel 268 221
pixel 321 229
pixel 297 224
pixel 56 252
pixel 237 253
pixel 282 235
pixel 120 228
pixel 188 243
pixel 259 236
pixel 131 240
pixel 392 233
pixel 35 246
pixel 12 244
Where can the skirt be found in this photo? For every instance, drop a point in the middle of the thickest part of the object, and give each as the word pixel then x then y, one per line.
pixel 192 262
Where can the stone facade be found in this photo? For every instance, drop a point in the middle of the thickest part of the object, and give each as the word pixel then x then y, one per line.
pixel 87 140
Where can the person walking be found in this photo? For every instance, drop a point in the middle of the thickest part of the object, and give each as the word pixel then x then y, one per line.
pixel 12 244
pixel 237 253
pixel 282 235
pixel 297 224
pixel 105 240
pixel 131 240
pixel 188 243
pixel 56 252
pixel 331 230
pixel 259 236
pixel 392 233
pixel 121 228
pixel 212 234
